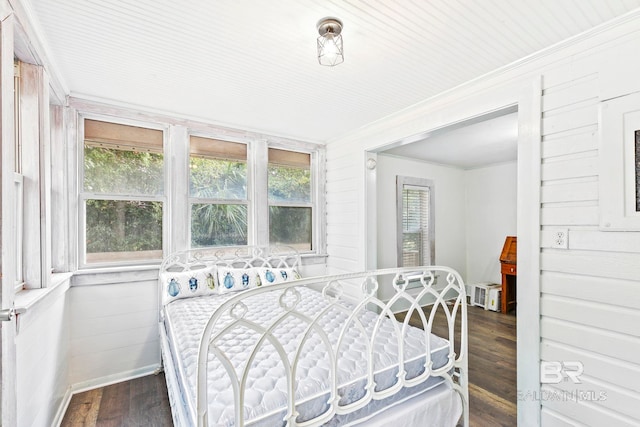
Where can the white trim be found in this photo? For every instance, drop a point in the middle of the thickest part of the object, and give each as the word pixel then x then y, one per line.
pixel 371 217
pixel 114 378
pixel 8 403
pixel 177 189
pixel 30 37
pixel 62 409
pixel 122 109
pixel 528 230
pixel 81 196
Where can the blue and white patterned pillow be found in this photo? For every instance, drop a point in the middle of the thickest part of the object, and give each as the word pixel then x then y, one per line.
pixel 188 284
pixel 273 276
pixel 237 279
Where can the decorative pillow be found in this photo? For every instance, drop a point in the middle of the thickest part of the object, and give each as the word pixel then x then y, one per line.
pixel 188 284
pixel 272 276
pixel 237 279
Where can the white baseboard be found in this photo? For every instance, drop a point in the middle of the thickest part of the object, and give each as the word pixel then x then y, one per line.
pixel 114 378
pixel 101 382
pixel 62 409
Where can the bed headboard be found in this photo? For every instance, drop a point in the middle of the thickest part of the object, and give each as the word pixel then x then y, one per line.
pixel 199 268
pixel 232 256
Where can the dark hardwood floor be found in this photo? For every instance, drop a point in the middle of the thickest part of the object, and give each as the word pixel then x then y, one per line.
pixel 492 366
pixel 136 403
pixel 492 384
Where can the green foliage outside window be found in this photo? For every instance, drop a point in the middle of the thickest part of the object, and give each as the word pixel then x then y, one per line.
pixel 121 225
pixel 217 178
pixel 290 225
pixel 126 226
pixel 111 171
pixel 218 224
pixel 289 184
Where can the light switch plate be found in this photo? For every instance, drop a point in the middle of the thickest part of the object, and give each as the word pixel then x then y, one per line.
pixel 560 238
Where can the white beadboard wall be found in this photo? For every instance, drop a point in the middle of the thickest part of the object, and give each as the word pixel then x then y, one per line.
pixel 588 303
pixel 42 354
pixel 114 327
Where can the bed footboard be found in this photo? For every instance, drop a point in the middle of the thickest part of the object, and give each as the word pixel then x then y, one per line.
pixel 333 328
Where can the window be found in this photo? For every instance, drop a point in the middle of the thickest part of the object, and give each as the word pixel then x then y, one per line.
pixel 122 193
pixel 148 189
pixel 218 192
pixel 416 230
pixel 290 199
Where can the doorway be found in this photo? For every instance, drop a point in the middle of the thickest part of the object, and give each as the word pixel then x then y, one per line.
pixel 474 167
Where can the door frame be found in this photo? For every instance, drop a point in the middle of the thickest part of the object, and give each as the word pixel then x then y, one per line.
pixel 8 402
pixel 528 104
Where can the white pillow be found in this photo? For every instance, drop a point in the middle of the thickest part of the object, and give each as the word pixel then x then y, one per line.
pixel 273 276
pixel 188 284
pixel 237 279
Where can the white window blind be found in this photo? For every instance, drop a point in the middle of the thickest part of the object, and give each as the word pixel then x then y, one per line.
pixel 415 226
pixel 415 222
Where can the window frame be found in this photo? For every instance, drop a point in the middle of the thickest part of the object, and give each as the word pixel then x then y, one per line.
pixel 213 201
pixel 83 196
pixel 176 198
pixel 313 196
pixel 401 182
pixel 18 178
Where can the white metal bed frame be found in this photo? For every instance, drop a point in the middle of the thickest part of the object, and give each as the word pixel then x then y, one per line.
pixel 449 298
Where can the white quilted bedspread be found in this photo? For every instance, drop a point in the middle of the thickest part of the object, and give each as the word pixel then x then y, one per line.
pixel 266 390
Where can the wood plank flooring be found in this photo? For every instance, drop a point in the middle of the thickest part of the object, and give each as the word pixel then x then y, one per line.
pixel 492 364
pixel 492 384
pixel 140 402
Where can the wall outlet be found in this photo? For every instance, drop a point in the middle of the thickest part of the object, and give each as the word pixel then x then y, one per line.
pixel 560 239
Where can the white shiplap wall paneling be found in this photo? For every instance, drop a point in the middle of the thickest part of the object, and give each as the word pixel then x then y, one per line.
pixel 582 288
pixel 567 143
pixel 590 313
pixel 577 215
pixel 117 334
pixel 617 371
pixel 617 292
pixel 613 344
pixel 586 165
pixel 585 413
pixel 43 360
pixel 618 265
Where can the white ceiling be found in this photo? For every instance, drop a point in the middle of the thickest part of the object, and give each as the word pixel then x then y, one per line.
pixel 252 64
pixel 480 144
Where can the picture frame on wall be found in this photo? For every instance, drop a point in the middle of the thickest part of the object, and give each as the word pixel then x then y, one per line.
pixel 620 164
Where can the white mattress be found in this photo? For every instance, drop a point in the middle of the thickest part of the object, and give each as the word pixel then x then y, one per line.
pixel 265 397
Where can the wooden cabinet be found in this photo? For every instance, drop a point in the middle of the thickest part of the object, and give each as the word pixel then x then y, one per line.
pixel 509 270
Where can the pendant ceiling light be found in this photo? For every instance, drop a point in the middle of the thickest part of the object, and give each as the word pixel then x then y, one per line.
pixel 330 50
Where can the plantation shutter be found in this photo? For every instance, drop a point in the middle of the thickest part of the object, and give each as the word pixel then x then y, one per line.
pixel 415 226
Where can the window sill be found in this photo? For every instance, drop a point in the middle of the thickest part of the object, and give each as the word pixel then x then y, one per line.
pixel 30 299
pixel 116 269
